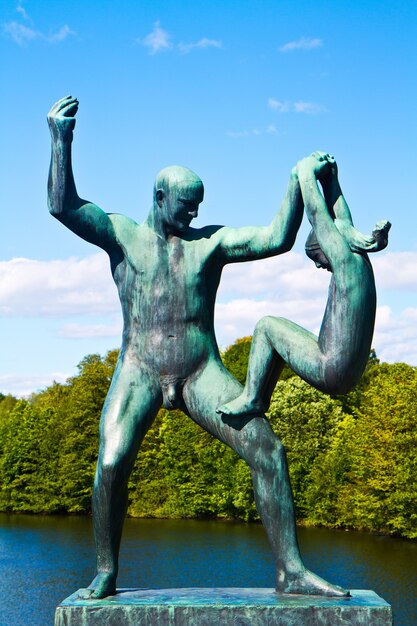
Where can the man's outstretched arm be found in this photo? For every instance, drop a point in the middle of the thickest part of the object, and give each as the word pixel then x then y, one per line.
pixel 82 217
pixel 258 242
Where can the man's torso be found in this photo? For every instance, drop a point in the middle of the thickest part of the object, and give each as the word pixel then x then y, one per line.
pixel 167 289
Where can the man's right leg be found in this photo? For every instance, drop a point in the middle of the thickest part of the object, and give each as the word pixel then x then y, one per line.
pixel 255 442
pixel 130 407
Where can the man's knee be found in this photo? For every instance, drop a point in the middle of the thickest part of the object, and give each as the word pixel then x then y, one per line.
pixel 113 471
pixel 120 437
pixel 268 455
pixel 274 456
pixel 116 457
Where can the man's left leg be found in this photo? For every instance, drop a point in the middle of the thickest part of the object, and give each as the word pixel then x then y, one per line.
pixel 255 442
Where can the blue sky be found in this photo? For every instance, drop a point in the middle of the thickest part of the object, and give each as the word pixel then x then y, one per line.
pixel 238 92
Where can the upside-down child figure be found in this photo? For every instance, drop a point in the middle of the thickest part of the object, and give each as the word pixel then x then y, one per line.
pixel 334 361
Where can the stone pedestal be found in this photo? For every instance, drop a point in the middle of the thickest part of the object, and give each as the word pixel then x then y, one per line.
pixel 223 607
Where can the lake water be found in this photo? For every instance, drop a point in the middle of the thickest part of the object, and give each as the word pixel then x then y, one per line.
pixel 45 559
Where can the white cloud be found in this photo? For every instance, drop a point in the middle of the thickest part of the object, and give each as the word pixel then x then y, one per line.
pixel 395 337
pixel 86 331
pixel 20 33
pixel 21 9
pixel 289 286
pixel 304 43
pixel 277 105
pixel 185 48
pixel 285 106
pixel 23 35
pixel 57 288
pixel 158 40
pixel 396 270
pixel 311 108
pixel 60 35
pixel 238 318
pixel 290 275
pixel 410 314
pixel 23 385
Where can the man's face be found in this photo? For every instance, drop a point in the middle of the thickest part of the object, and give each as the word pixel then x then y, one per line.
pixel 181 205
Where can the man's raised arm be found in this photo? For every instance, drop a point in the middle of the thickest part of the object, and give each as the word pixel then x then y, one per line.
pixel 258 242
pixel 82 217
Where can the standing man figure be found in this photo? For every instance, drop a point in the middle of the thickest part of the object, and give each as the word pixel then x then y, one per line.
pixel 167 275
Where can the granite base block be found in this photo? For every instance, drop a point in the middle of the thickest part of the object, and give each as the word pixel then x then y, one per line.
pixel 223 607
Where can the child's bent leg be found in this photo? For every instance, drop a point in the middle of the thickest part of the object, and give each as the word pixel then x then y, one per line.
pixel 264 368
pixel 275 341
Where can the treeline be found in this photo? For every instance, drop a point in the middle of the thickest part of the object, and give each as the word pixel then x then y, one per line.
pixel 352 459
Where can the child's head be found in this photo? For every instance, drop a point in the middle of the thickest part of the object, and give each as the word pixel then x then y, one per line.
pixel 315 253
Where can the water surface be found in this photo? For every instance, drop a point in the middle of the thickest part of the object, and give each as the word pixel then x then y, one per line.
pixel 45 559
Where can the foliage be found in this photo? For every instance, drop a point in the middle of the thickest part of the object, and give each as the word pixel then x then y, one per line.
pixel 236 357
pixel 49 445
pixel 368 479
pixel 305 420
pixel 28 460
pixel 351 459
pixel 6 405
pixel 182 471
pixel 352 401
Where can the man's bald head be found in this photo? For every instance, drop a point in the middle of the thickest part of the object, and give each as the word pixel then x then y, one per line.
pixel 175 176
pixel 177 195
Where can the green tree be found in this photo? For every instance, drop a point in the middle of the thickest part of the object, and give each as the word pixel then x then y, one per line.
pixel 236 357
pixel 305 421
pixel 7 404
pixel 28 461
pixel 182 471
pixel 352 459
pixel 80 420
pixel 370 471
pixel 353 400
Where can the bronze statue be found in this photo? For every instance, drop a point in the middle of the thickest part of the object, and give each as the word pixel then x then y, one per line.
pixel 167 275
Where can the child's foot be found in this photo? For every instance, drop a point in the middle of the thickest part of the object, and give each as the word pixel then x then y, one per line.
pixel 358 242
pixel 241 407
pixel 380 234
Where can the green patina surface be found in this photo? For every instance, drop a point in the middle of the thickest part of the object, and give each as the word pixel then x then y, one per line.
pixel 225 606
pixel 167 275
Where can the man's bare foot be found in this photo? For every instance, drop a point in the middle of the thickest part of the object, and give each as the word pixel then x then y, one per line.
pixel 241 407
pixel 358 242
pixel 307 583
pixel 103 585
